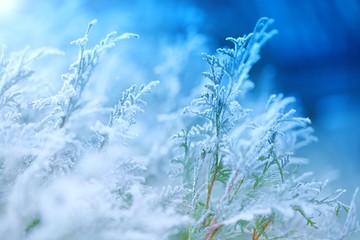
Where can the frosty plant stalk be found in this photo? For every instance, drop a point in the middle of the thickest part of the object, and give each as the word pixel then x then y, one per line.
pixel 71 168
pixel 249 157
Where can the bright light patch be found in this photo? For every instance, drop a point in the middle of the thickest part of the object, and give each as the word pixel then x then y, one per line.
pixel 8 7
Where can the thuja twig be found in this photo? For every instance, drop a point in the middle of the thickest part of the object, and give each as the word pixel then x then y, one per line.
pixel 256 236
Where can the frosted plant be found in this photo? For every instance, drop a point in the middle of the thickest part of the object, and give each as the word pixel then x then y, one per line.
pixel 63 181
pixel 67 100
pixel 239 165
pixel 69 170
pixel 15 84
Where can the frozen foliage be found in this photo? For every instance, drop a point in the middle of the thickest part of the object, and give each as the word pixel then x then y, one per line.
pixel 62 182
pixel 68 173
pixel 239 165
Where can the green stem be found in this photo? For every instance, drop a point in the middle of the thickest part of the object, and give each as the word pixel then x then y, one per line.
pixel 217 165
pixel 210 187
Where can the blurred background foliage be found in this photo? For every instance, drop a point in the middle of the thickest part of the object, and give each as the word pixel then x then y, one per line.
pixel 315 57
